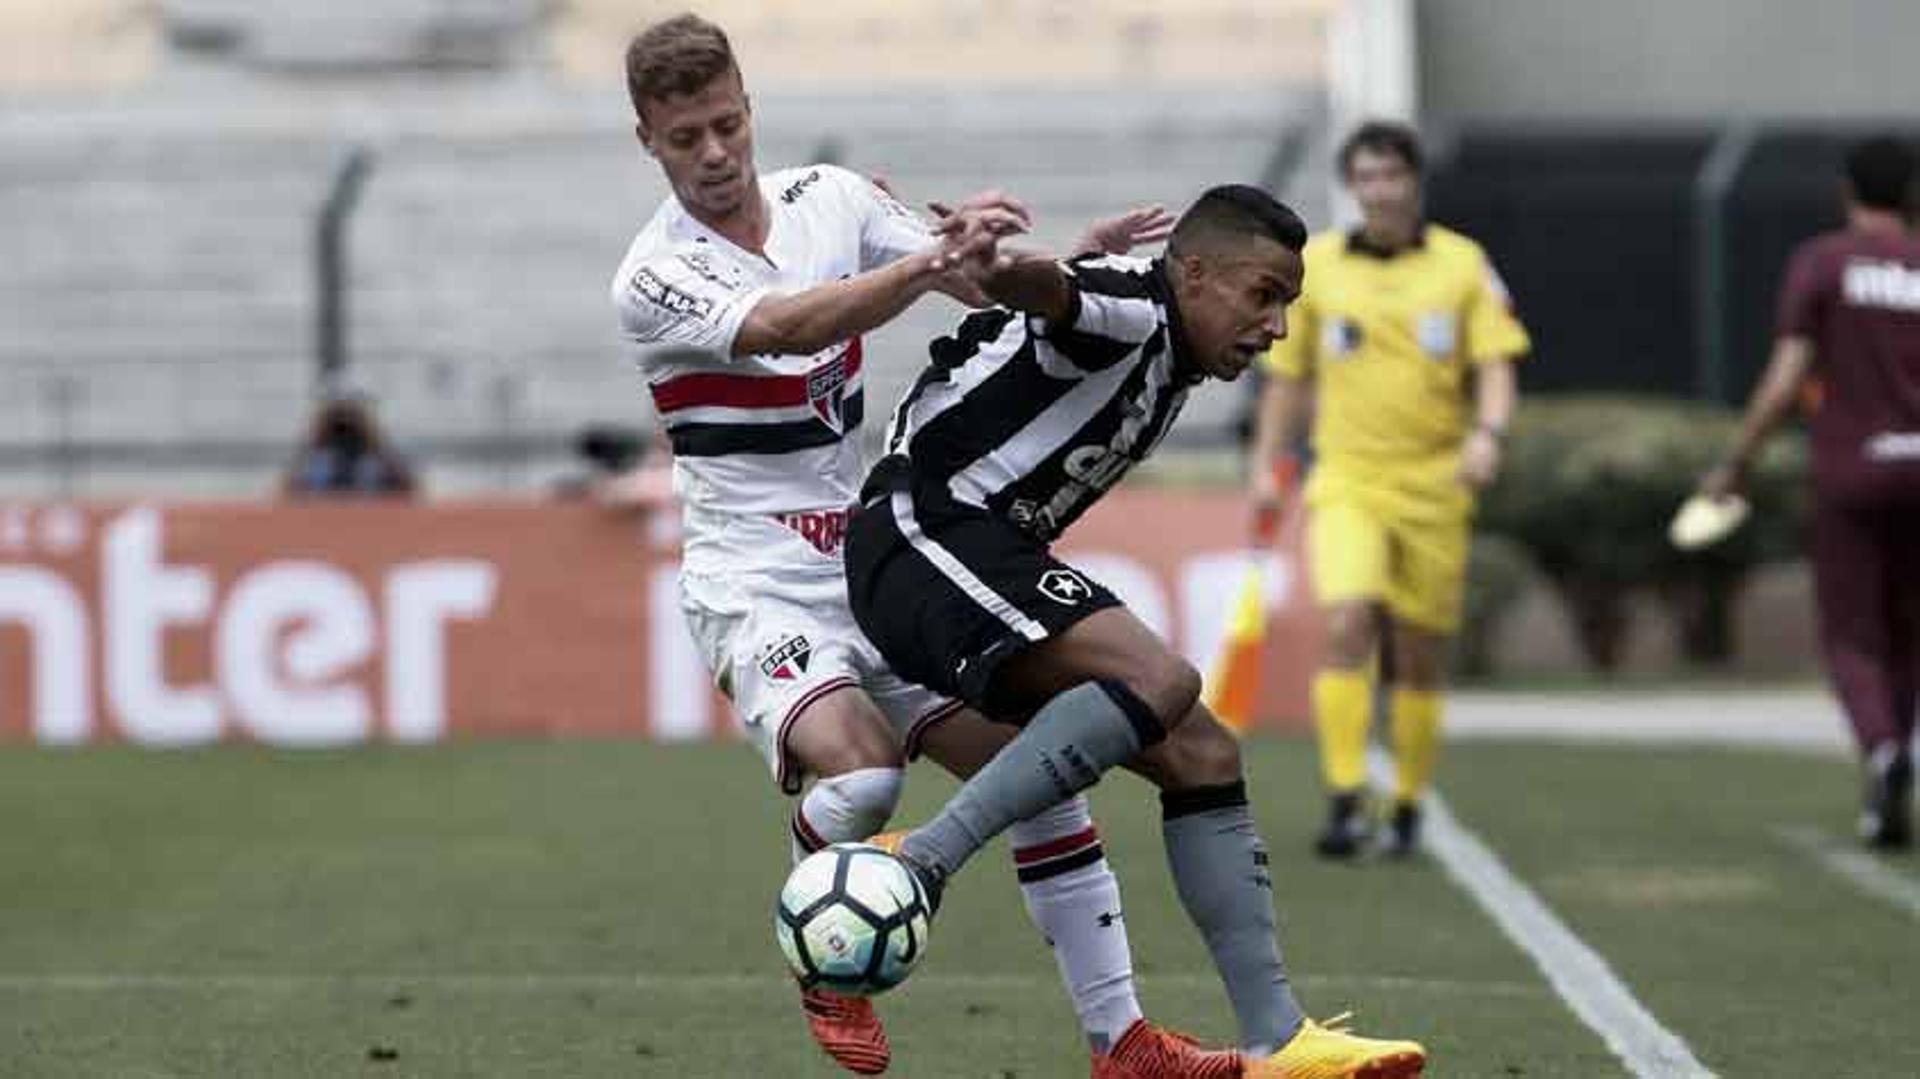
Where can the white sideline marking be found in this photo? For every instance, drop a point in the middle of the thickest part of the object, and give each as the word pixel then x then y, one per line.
pixel 564 981
pixel 1857 867
pixel 1577 972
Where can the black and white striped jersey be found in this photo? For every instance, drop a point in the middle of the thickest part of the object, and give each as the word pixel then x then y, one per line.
pixel 1035 421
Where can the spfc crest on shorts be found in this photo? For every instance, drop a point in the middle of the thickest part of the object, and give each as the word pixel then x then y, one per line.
pixel 827 387
pixel 786 659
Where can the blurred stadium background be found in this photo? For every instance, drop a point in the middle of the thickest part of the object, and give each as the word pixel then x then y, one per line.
pixel 168 160
pixel 171 311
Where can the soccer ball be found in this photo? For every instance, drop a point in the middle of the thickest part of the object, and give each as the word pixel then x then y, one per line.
pixel 853 919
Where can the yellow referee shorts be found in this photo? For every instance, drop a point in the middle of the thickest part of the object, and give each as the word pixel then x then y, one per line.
pixel 1387 548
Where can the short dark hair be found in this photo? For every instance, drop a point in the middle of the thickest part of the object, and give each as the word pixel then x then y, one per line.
pixel 1383 137
pixel 1880 172
pixel 1236 210
pixel 676 56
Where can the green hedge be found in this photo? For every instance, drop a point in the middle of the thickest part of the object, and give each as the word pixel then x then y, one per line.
pixel 1498 570
pixel 1588 486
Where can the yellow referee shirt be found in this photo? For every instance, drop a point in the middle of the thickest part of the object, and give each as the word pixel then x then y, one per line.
pixel 1387 341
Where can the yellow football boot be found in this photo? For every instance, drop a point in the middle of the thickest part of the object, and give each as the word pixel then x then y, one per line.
pixel 1330 1051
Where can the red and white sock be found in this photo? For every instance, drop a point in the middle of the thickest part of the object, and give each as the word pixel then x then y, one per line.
pixel 1074 899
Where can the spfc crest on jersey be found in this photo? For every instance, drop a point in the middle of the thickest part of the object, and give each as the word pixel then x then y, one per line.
pixel 827 387
pixel 786 659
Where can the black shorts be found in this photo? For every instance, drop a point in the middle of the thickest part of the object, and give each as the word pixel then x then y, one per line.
pixel 948 592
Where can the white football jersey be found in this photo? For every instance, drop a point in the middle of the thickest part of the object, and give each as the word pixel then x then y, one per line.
pixel 758 434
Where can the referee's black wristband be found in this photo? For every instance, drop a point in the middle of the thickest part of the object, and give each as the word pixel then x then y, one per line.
pixel 1499 433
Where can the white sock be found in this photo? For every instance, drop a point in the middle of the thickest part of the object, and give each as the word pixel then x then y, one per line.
pixel 1073 897
pixel 843 809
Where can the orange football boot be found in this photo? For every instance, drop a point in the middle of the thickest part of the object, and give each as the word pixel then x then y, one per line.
pixel 1146 1051
pixel 848 1030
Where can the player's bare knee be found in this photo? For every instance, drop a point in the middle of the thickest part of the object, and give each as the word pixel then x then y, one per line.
pixel 1170 686
pixel 1185 693
pixel 1218 755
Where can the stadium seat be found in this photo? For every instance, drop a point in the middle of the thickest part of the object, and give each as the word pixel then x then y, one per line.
pixel 65 45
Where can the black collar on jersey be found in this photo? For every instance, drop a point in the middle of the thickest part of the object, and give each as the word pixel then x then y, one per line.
pixel 1184 366
pixel 1358 244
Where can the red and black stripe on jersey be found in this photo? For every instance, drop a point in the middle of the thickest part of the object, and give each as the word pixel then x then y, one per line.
pixel 764 413
pixel 1057 856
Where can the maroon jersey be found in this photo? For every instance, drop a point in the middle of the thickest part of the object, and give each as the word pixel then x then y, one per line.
pixel 1856 296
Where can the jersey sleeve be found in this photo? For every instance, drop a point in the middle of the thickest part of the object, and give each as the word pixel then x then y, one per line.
pixel 669 301
pixel 1292 356
pixel 1803 296
pixel 1493 331
pixel 1110 298
pixel 888 229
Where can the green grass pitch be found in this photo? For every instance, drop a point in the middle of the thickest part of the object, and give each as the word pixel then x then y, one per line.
pixel 601 909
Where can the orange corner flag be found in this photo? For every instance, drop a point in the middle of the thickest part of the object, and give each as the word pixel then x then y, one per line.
pixel 1233 682
pixel 1232 686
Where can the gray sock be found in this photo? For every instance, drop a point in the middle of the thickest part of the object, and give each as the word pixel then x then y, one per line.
pixel 1220 869
pixel 1063 750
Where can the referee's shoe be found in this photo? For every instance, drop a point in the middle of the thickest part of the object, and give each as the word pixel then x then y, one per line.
pixel 1348 829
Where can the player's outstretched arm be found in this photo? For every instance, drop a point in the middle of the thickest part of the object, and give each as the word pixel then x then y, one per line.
pixel 1034 283
pixel 1779 389
pixel 802 323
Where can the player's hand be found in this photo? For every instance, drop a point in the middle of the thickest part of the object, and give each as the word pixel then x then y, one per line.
pixel 1480 459
pixel 971 246
pixel 990 199
pixel 970 235
pixel 995 209
pixel 1010 214
pixel 964 287
pixel 969 243
pixel 1121 233
pixel 1266 492
pixel 953 281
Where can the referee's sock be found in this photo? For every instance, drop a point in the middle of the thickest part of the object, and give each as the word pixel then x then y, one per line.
pixel 1342 711
pixel 1064 749
pixel 1414 719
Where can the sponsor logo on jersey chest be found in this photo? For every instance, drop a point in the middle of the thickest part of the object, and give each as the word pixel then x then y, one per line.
pixel 649 285
pixel 799 187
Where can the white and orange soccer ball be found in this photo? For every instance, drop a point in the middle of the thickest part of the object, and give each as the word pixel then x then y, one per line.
pixel 852 919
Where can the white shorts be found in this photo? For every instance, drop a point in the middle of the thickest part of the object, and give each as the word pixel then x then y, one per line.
pixel 768 612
